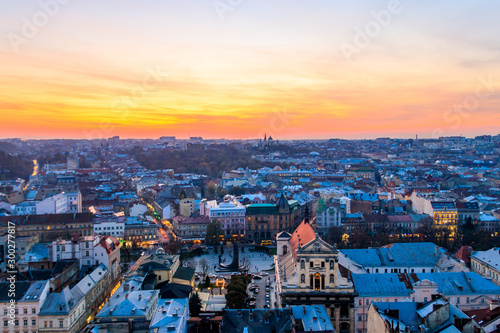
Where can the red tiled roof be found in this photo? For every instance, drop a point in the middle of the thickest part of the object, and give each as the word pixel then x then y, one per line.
pixel 109 243
pixel 306 234
pixel 464 254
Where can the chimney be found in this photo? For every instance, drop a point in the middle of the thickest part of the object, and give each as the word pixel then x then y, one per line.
pixel 140 297
pixel 493 304
pixel 126 295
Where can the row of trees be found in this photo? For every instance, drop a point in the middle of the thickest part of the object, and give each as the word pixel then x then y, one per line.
pixel 209 160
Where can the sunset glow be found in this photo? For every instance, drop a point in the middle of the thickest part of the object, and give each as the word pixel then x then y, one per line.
pixel 183 68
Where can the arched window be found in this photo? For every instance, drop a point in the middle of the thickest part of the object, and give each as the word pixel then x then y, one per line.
pixel 303 264
pixel 302 278
pixel 332 278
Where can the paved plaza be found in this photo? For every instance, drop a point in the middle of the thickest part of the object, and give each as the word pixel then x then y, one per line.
pixel 258 261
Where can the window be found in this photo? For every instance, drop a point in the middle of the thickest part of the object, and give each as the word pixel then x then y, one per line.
pixel 33 310
pixel 302 278
pixel 5 323
pixel 467 300
pixel 25 311
pixel 386 270
pixel 332 278
pixel 25 322
pixel 367 302
pixel 425 299
pixel 33 322
pixel 61 324
pixel 332 264
pixel 87 253
pixel 311 264
pixel 458 300
pixel 4 312
pixel 360 318
pixel 376 270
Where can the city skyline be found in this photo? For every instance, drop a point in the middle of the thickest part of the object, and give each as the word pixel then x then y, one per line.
pixel 240 69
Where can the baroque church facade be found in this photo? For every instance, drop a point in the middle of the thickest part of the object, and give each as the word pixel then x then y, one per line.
pixel 308 272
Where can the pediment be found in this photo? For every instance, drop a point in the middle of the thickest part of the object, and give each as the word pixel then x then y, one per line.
pixel 318 245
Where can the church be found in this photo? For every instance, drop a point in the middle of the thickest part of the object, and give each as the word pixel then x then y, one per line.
pixel 308 273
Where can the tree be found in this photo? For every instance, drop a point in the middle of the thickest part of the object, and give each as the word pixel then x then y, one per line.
pixel 211 189
pixel 203 264
pixel 236 293
pixel 194 305
pixel 237 191
pixel 214 233
pixel 173 247
pixel 207 281
pixel 334 235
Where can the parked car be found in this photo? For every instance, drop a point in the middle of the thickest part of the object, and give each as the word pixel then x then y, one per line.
pixel 266 306
pixel 251 304
pixel 264 273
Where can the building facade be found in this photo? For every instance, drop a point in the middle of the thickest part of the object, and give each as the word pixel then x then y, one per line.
pixel 266 221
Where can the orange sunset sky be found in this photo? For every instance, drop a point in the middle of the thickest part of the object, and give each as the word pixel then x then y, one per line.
pixel 239 69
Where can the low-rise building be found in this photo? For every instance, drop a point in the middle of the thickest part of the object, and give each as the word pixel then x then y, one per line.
pixel 130 311
pixel 467 291
pixel 438 315
pixel 171 316
pixel 191 228
pixel 486 264
pixel 257 320
pixel 50 226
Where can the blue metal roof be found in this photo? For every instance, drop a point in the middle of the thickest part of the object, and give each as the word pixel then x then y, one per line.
pixel 397 255
pixel 461 283
pixel 370 285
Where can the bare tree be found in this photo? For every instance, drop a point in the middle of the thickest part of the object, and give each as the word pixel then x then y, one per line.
pixel 191 263
pixel 203 264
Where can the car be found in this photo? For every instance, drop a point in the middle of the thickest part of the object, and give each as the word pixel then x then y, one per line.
pixel 235 273
pixel 257 277
pixel 251 299
pixel 252 304
pixel 267 296
pixel 196 277
pixel 264 273
pixel 252 288
pixel 212 276
pixel 266 306
pixel 256 291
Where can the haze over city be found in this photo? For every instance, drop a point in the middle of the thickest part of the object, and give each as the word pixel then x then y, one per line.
pixel 292 69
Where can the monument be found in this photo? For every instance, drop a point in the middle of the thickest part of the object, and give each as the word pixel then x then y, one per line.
pixel 234 266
